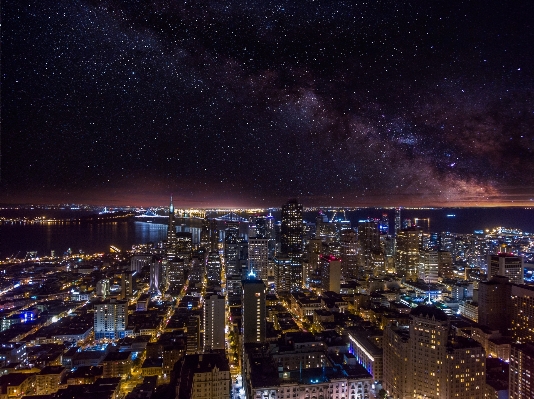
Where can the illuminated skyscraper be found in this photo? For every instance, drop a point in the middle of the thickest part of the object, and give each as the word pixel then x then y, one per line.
pixel 258 257
pixel 214 267
pixel 292 232
pixel 214 322
pixel 408 244
pixel 291 240
pixel 384 224
pixel 369 235
pixel 445 266
pixel 522 371
pixel 430 362
pixel 397 220
pixel 171 232
pixel 253 319
pixel 428 266
pixel 155 276
pixel 231 252
pixel 507 265
pixel 330 273
pixel 522 310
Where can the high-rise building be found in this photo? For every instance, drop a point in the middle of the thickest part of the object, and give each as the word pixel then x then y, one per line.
pixel 445 265
pixel 204 376
pixel 494 303
pixel 171 232
pixel 330 273
pixel 408 244
pixel 291 240
pixel 111 319
pixel 231 252
pixel 428 266
pixel 521 371
pixel 214 322
pixel 384 224
pixel 349 253
pixel 282 274
pixel 396 347
pixel 369 235
pixel 315 250
pixel 253 316
pixel 429 329
pixel 176 275
pixel 127 287
pixel 209 235
pixel 155 276
pixel 430 362
pixel 193 333
pixel 214 267
pixel 258 257
pixel 183 241
pixel 137 262
pixel 508 265
pixel 397 220
pixel 522 310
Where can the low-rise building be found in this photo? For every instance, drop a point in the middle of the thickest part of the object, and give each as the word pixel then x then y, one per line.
pixel 49 379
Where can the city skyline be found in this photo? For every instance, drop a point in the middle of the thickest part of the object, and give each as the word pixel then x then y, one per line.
pixel 251 103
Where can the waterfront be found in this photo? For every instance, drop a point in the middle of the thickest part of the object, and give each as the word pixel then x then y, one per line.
pixel 99 236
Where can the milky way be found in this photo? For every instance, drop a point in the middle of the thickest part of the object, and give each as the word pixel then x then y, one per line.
pixel 253 102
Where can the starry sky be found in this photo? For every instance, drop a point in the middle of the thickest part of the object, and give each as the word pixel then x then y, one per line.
pixel 249 103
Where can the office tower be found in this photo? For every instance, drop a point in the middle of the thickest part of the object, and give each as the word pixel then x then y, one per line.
pixel 314 251
pixel 111 319
pixel 291 240
pixel 214 267
pixel 330 273
pixel 464 369
pixel 441 366
pixel 231 252
pixel 193 333
pixel 155 276
pixel 369 235
pixel 234 287
pixel 384 224
pixel 183 243
pixel 507 265
pixel 494 303
pixel 176 275
pixel 127 288
pixel 253 316
pixel 445 267
pixel 396 354
pixel 258 257
pixel 521 382
pixel 282 271
pixel 397 220
pixel 407 253
pixel 429 362
pixel 203 376
pixel 522 310
pixel 209 235
pixel 214 322
pixel 137 262
pixel 429 328
pixel 428 266
pixel 171 233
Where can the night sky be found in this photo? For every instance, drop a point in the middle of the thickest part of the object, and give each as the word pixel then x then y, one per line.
pixel 249 103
